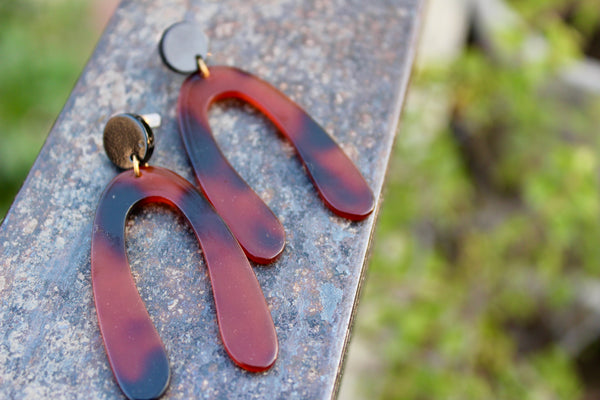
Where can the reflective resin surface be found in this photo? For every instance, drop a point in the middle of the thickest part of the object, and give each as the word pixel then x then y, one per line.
pixel 336 178
pixel 135 351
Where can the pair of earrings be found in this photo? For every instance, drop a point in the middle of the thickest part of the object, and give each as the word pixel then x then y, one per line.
pixel 232 226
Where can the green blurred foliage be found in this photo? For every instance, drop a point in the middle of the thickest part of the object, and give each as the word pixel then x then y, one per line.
pixel 547 15
pixel 44 45
pixel 487 229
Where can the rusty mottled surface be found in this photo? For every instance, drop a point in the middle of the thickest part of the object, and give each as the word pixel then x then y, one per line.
pixel 345 62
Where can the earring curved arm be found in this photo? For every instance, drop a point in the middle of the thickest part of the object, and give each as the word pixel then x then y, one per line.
pixel 134 348
pixel 336 178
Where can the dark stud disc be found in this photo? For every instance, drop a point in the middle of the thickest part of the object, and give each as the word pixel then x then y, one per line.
pixel 180 44
pixel 126 135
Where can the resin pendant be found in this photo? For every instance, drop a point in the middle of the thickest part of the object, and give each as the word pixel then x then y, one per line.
pixel 337 180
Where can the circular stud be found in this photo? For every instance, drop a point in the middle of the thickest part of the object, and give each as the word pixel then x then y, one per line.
pixel 181 45
pixel 126 136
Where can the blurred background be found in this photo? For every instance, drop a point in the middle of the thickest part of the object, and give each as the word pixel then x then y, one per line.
pixel 44 45
pixel 484 281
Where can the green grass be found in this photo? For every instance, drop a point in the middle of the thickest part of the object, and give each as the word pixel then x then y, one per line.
pixel 44 46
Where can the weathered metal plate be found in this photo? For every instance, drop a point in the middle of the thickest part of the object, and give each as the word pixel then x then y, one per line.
pixel 345 63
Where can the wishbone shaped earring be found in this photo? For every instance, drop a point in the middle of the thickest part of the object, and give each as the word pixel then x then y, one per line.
pixel 135 351
pixel 183 48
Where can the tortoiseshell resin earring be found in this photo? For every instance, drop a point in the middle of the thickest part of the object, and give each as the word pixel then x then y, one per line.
pixel 183 48
pixel 135 351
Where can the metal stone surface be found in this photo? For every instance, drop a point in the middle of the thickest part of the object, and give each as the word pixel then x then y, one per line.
pixel 345 63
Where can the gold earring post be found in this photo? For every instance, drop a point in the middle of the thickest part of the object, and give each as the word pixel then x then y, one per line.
pixel 136 165
pixel 202 67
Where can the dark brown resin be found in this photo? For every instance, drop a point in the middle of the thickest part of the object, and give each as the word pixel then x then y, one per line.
pixel 135 351
pixel 338 181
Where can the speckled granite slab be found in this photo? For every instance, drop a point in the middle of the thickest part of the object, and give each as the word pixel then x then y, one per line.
pixel 346 62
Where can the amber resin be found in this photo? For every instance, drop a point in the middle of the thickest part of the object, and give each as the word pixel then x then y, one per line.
pixel 135 351
pixel 336 178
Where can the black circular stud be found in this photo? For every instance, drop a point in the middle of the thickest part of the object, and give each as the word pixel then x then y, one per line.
pixel 125 136
pixel 180 46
